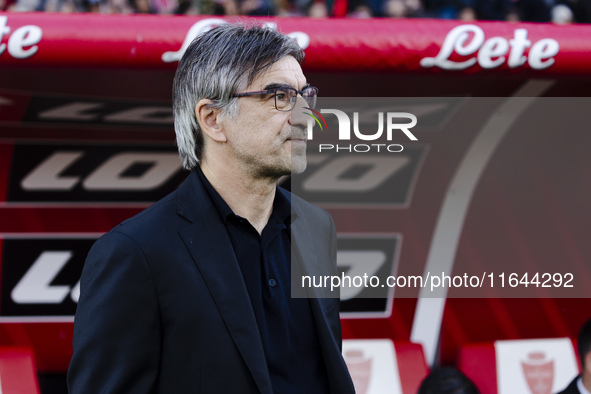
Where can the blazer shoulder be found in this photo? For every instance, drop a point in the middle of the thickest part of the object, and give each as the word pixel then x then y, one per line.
pixel 154 222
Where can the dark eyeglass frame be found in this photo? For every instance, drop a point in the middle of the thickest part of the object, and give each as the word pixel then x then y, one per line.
pixel 293 98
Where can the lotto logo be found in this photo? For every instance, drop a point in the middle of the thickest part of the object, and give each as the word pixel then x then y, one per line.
pixel 40 277
pixel 83 173
pixel 349 179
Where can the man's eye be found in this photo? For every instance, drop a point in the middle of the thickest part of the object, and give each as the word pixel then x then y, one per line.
pixel 281 95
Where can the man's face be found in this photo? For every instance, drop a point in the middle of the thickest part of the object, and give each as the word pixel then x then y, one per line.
pixel 265 141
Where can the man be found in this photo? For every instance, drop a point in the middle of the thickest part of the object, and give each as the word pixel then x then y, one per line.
pixel 193 294
pixel 582 383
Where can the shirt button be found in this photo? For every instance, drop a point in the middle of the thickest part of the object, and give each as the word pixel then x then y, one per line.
pixel 272 282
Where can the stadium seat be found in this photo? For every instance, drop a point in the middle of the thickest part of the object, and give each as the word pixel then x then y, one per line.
pixel 538 366
pixel 17 371
pixel 380 366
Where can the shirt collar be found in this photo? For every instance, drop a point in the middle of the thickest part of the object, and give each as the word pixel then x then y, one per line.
pixel 222 206
pixel 581 386
pixel 281 203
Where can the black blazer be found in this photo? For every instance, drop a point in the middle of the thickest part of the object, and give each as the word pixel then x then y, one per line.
pixel 572 387
pixel 164 309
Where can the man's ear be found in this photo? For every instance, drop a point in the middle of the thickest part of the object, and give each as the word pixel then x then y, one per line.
pixel 208 118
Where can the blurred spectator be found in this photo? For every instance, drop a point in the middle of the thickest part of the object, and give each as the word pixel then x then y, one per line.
pixel 557 11
pixel 286 8
pixel 467 14
pixel 26 6
pixel 581 10
pixel 582 383
pixel 6 4
pixel 224 7
pixel 403 8
pixel 561 14
pixel 445 9
pixel 414 8
pixel 163 6
pixel 512 15
pixel 447 380
pixel 256 7
pixel 534 10
pixel 491 10
pixel 361 11
pixel 317 9
pixel 141 6
pixel 395 8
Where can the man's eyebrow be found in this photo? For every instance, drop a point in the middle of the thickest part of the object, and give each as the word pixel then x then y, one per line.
pixel 276 86
pixel 282 85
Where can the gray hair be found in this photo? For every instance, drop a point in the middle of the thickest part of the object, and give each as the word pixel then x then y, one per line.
pixel 218 64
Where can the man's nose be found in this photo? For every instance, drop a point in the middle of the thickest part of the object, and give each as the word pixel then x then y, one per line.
pixel 298 116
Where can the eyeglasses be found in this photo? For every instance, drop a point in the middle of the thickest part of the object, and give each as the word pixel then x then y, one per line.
pixel 286 97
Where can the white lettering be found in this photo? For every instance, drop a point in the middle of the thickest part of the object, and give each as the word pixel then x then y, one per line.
pixel 198 28
pixel 344 123
pixel 21 38
pixel 75 294
pixel 403 127
pixel 362 148
pixel 456 39
pixel 25 36
pixel 361 264
pixel 109 176
pixel 467 40
pixel 204 25
pixel 4 29
pixel 152 115
pixel 35 288
pixel 518 45
pixel 399 148
pixel 46 176
pixel 496 47
pixel 367 137
pixel 73 111
pixel 543 50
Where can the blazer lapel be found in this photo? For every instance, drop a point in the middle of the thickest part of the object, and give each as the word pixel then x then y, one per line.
pixel 305 254
pixel 207 240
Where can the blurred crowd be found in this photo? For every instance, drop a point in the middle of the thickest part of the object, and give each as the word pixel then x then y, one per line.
pixel 557 11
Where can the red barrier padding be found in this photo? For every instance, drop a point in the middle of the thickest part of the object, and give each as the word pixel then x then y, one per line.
pixel 411 365
pixel 353 45
pixel 478 362
pixel 17 371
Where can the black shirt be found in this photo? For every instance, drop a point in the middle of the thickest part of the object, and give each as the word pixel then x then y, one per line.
pixel 286 324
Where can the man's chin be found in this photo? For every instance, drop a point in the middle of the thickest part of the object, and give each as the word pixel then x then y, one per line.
pixel 298 164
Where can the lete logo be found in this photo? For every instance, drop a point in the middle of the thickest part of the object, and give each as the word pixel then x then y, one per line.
pixel 204 25
pixel 491 52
